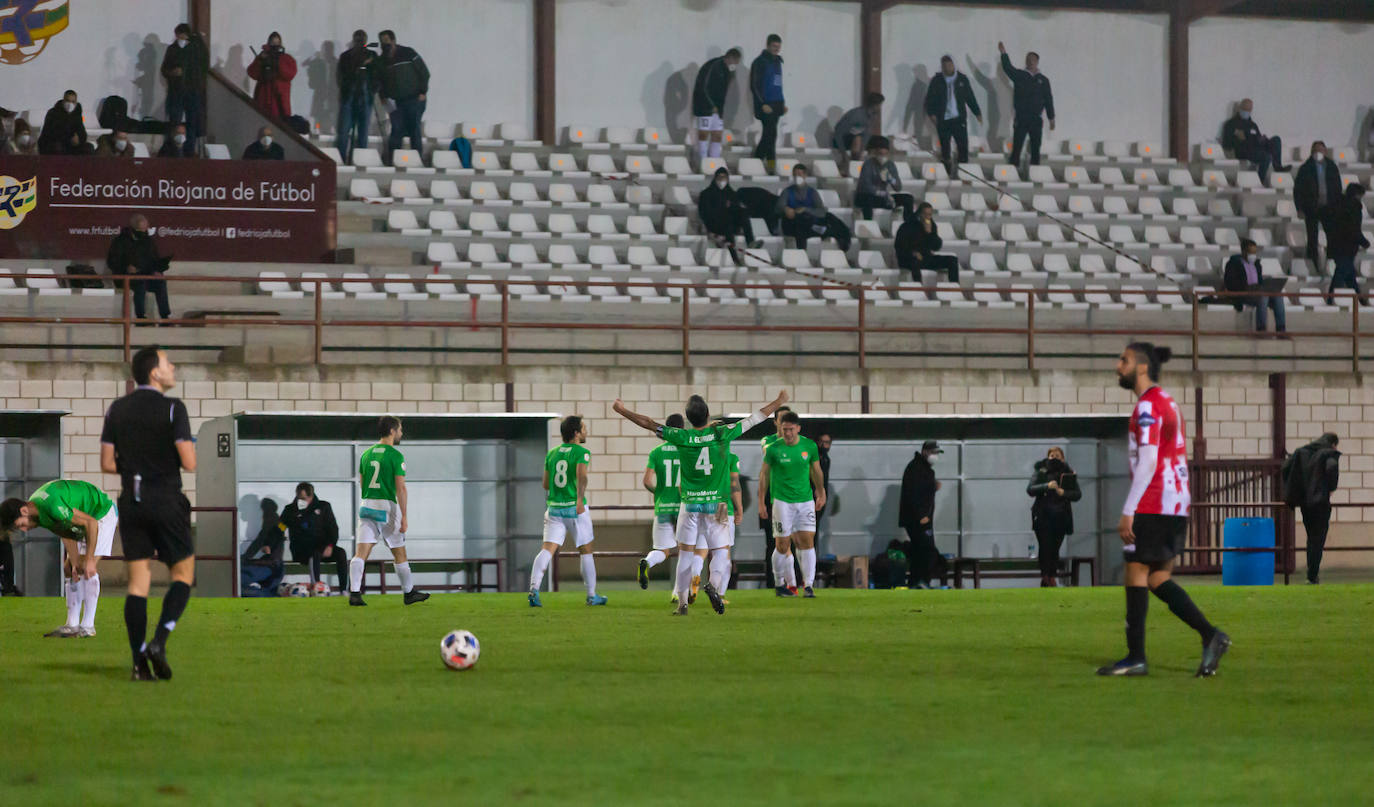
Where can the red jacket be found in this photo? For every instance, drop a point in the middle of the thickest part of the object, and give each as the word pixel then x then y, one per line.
pixel 273 93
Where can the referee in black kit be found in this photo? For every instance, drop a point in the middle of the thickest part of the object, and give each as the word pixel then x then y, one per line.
pixel 147 441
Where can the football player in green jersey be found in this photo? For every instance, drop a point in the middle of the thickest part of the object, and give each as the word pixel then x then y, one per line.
pixel 565 479
pixel 661 480
pixel 704 451
pixel 792 475
pixel 766 524
pixel 382 511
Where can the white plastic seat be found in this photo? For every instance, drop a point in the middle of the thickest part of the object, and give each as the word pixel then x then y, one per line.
pixel 563 163
pixel 360 286
pixel 523 192
pixel 365 189
pixel 367 158
pixel 483 222
pixel 483 254
pixel 1045 203
pixel 522 253
pixel 442 220
pixel 444 190
pixel 441 252
pixel 217 151
pixel 599 194
pixel 561 193
pixel 408 192
pixel 398 220
pixel 486 161
pixel 402 287
pixel 601 224
pixel 327 290
pixel 525 162
pixel 275 284
pixel 406 159
pixel 484 191
pixel 563 224
pixel 445 160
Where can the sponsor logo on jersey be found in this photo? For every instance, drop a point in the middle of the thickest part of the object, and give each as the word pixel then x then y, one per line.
pixel 1146 420
pixel 18 198
pixel 26 26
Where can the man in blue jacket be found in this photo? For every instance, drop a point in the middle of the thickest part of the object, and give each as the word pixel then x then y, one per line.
pixel 765 83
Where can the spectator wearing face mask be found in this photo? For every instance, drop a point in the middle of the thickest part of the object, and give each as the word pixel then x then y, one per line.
pixel 404 85
pixel 174 144
pixel 916 243
pixel 879 183
pixel 708 101
pixel 948 101
pixel 22 142
pixel 800 208
pixel 263 148
pixel 1345 238
pixel 1317 185
pixel 1244 274
pixel 723 215
pixel 114 144
pixel 314 534
pixel 1241 136
pixel 916 513
pixel 133 252
pixel 64 130
pixel 852 130
pixel 185 66
pixel 273 70
pixel 1054 486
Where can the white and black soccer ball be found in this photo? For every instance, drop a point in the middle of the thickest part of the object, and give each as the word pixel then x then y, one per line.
pixel 299 590
pixel 284 589
pixel 319 589
pixel 459 650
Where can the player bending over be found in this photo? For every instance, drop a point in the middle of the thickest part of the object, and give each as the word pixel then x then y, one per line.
pixel 565 479
pixel 704 451
pixel 791 473
pixel 74 511
pixel 382 511
pixel 1154 522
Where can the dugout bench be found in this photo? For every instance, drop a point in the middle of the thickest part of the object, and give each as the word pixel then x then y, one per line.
pixel 473 567
pixel 1016 568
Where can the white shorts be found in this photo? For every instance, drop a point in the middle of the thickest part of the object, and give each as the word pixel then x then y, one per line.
pixel 556 528
pixel 371 529
pixel 665 534
pixel 710 123
pixel 104 539
pixel 793 517
pixel 703 530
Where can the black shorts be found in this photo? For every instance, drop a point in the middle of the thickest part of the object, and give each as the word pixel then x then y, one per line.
pixel 158 525
pixel 1158 539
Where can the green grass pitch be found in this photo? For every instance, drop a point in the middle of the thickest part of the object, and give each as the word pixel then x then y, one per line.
pixel 886 697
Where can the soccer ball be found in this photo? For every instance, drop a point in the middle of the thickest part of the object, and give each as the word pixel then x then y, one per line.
pixel 284 589
pixel 459 650
pixel 320 589
pixel 299 590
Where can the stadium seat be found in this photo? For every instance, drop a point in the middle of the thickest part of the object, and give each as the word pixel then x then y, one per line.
pixel 327 290
pixel 406 159
pixel 275 284
pixel 217 151
pixel 404 222
pixel 369 159
pixel 359 286
pixel 364 189
pixel 444 191
pixel 445 160
pixel 402 287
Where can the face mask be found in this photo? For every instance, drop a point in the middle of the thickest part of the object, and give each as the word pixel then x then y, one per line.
pixel 25 139
pixel 181 43
pixel 301 504
pixel 1319 156
pixel 800 182
pixel 68 106
pixel 265 140
pixel 1244 115
pixel 731 67
pixel 1252 257
pixel 179 139
pixel 120 145
pixel 932 458
pixel 721 183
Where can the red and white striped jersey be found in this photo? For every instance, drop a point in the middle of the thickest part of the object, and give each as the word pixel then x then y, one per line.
pixel 1157 423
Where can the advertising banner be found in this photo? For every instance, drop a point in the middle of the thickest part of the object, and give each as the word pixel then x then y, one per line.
pixel 201 210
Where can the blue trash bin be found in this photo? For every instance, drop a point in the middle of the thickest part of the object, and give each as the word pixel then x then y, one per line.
pixel 1247 568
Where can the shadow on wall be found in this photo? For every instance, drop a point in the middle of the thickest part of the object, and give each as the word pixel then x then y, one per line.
pixel 234 68
pixel 1364 126
pixel 909 116
pixel 320 76
pixel 997 90
pixel 147 74
pixel 250 515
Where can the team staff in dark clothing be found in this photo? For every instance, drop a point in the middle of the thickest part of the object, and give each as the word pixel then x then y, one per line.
pixel 7 588
pixel 64 130
pixel 948 101
pixel 185 66
pixel 722 214
pixel 708 101
pixel 916 242
pixel 1345 238
pixel 133 252
pixel 1031 99
pixel 147 441
pixel 404 82
pixel 1244 273
pixel 357 83
pixel 1309 476
pixel 823 446
pixel 1054 486
pixel 765 84
pixel 314 534
pixel 916 513
pixel 1241 136
pixel 1317 185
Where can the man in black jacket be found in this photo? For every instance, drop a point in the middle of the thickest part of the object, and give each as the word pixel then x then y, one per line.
pixel 1309 476
pixel 263 148
pixel 916 513
pixel 1241 136
pixel 357 83
pixel 948 101
pixel 1054 486
pixel 916 243
pixel 708 101
pixel 765 85
pixel 64 131
pixel 174 143
pixel 185 66
pixel 1031 98
pixel 1317 185
pixel 1343 219
pixel 1244 274
pixel 722 214
pixel 404 83
pixel 133 252
pixel 314 534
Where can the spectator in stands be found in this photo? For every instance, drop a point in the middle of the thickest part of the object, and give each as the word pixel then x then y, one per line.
pixel 64 130
pixel 1317 185
pixel 1345 238
pixel 916 513
pixel 1241 136
pixel 948 100
pixel 723 216
pixel 22 142
pixel 1309 477
pixel 133 252
pixel 114 144
pixel 314 534
pixel 263 148
pixel 357 83
pixel 917 240
pixel 174 144
pixel 270 538
pixel 878 182
pixel 1244 274
pixel 1031 99
pixel 801 209
pixel 273 70
pixel 851 130
pixel 708 101
pixel 185 66
pixel 1054 486
pixel 765 84
pixel 404 84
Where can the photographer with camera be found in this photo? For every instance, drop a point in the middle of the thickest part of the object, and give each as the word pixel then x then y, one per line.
pixel 133 253
pixel 273 70
pixel 357 83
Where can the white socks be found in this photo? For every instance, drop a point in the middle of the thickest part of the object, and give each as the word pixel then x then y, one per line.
pixel 73 602
pixel 589 573
pixel 90 596
pixel 541 565
pixel 656 557
pixel 720 570
pixel 808 565
pixel 683 584
pixel 715 148
pixel 697 562
pixel 403 572
pixel 790 569
pixel 704 148
pixel 355 574
pixel 782 569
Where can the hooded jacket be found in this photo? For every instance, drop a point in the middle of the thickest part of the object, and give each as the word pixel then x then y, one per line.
pixel 1311 474
pixel 273 76
pixel 1050 509
pixel 58 127
pixel 918 493
pixel 717 208
pixel 765 83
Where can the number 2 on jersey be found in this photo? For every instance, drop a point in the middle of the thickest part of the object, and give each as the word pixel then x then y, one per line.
pixel 376 470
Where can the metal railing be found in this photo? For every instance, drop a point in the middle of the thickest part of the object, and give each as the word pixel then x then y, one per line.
pixel 1028 299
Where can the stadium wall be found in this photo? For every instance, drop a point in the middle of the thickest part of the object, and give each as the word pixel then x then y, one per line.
pixel 1237 407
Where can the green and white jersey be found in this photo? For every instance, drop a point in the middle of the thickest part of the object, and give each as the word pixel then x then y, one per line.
pixel 378 470
pixel 705 455
pixel 561 466
pixel 728 491
pixel 667 467
pixel 789 469
pixel 57 500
